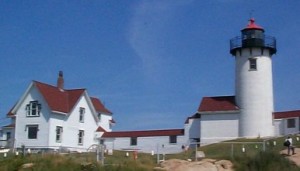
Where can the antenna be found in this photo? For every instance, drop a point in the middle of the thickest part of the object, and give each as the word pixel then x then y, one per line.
pixel 251 13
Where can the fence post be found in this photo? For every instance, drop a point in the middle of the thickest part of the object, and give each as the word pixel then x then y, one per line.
pixel 196 152
pixel 23 150
pixel 232 151
pixel 264 145
pixel 157 153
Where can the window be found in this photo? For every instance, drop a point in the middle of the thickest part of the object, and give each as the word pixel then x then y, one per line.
pixel 81 114
pixel 33 109
pixel 133 141
pixel 99 116
pixel 252 64
pixel 291 123
pixel 80 137
pixel 8 135
pixel 59 131
pixel 32 131
pixel 173 139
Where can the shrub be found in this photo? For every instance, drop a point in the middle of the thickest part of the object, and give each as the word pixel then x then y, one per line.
pixel 264 161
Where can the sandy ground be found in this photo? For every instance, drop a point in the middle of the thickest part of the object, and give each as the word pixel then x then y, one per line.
pixel 295 158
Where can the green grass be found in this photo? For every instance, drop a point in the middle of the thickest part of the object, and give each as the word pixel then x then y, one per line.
pixel 253 159
pixel 264 161
pixel 78 162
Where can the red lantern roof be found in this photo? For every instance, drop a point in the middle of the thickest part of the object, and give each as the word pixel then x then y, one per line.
pixel 252 25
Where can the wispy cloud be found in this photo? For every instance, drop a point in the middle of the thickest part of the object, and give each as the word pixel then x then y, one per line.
pixel 147 30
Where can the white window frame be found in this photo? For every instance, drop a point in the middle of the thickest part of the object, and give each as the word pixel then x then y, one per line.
pixel 99 117
pixel 8 135
pixel 32 135
pixel 133 141
pixel 291 123
pixel 173 139
pixel 33 109
pixel 252 64
pixel 81 114
pixel 58 134
pixel 80 137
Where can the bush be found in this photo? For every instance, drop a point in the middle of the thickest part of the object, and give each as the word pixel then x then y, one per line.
pixel 264 161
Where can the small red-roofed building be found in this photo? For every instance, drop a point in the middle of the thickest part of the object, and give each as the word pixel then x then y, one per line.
pixel 165 141
pixel 219 119
pixel 287 122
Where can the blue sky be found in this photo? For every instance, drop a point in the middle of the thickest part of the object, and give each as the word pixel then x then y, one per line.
pixel 150 62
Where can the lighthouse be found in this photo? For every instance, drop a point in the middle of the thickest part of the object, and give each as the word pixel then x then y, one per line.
pixel 253 52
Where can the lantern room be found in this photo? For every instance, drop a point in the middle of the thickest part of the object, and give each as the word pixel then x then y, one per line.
pixel 253 37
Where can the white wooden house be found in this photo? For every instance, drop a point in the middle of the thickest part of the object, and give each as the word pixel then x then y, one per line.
pixel 287 122
pixel 219 119
pixel 148 141
pixel 51 117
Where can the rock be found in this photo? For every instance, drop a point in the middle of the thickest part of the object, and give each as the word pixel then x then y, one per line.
pixel 224 165
pixel 159 169
pixel 27 166
pixel 173 164
pixel 200 154
pixel 203 165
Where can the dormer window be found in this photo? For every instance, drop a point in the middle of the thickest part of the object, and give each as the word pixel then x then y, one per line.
pixel 81 114
pixel 33 109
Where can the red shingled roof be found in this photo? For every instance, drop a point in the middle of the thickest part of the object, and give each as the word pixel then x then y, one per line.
pixel 220 103
pixel 59 100
pixel 99 107
pixel 287 114
pixel 63 100
pixel 10 114
pixel 100 129
pixel 148 133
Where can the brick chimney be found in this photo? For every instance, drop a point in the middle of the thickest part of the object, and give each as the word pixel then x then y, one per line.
pixel 60 81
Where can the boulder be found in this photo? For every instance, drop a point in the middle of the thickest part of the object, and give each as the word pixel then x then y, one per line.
pixel 203 165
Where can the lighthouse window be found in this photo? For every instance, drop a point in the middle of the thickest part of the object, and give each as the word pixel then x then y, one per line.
pixel 252 64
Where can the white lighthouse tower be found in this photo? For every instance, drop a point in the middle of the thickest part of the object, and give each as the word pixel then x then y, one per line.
pixel 253 52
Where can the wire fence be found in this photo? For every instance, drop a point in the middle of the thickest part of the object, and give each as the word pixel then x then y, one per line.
pixel 195 150
pixel 247 147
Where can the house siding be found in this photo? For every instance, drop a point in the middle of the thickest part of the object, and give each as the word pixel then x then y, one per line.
pixel 21 130
pixel 154 144
pixel 57 120
pixel 293 130
pixel 105 122
pixel 192 129
pixel 218 127
pixel 73 125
